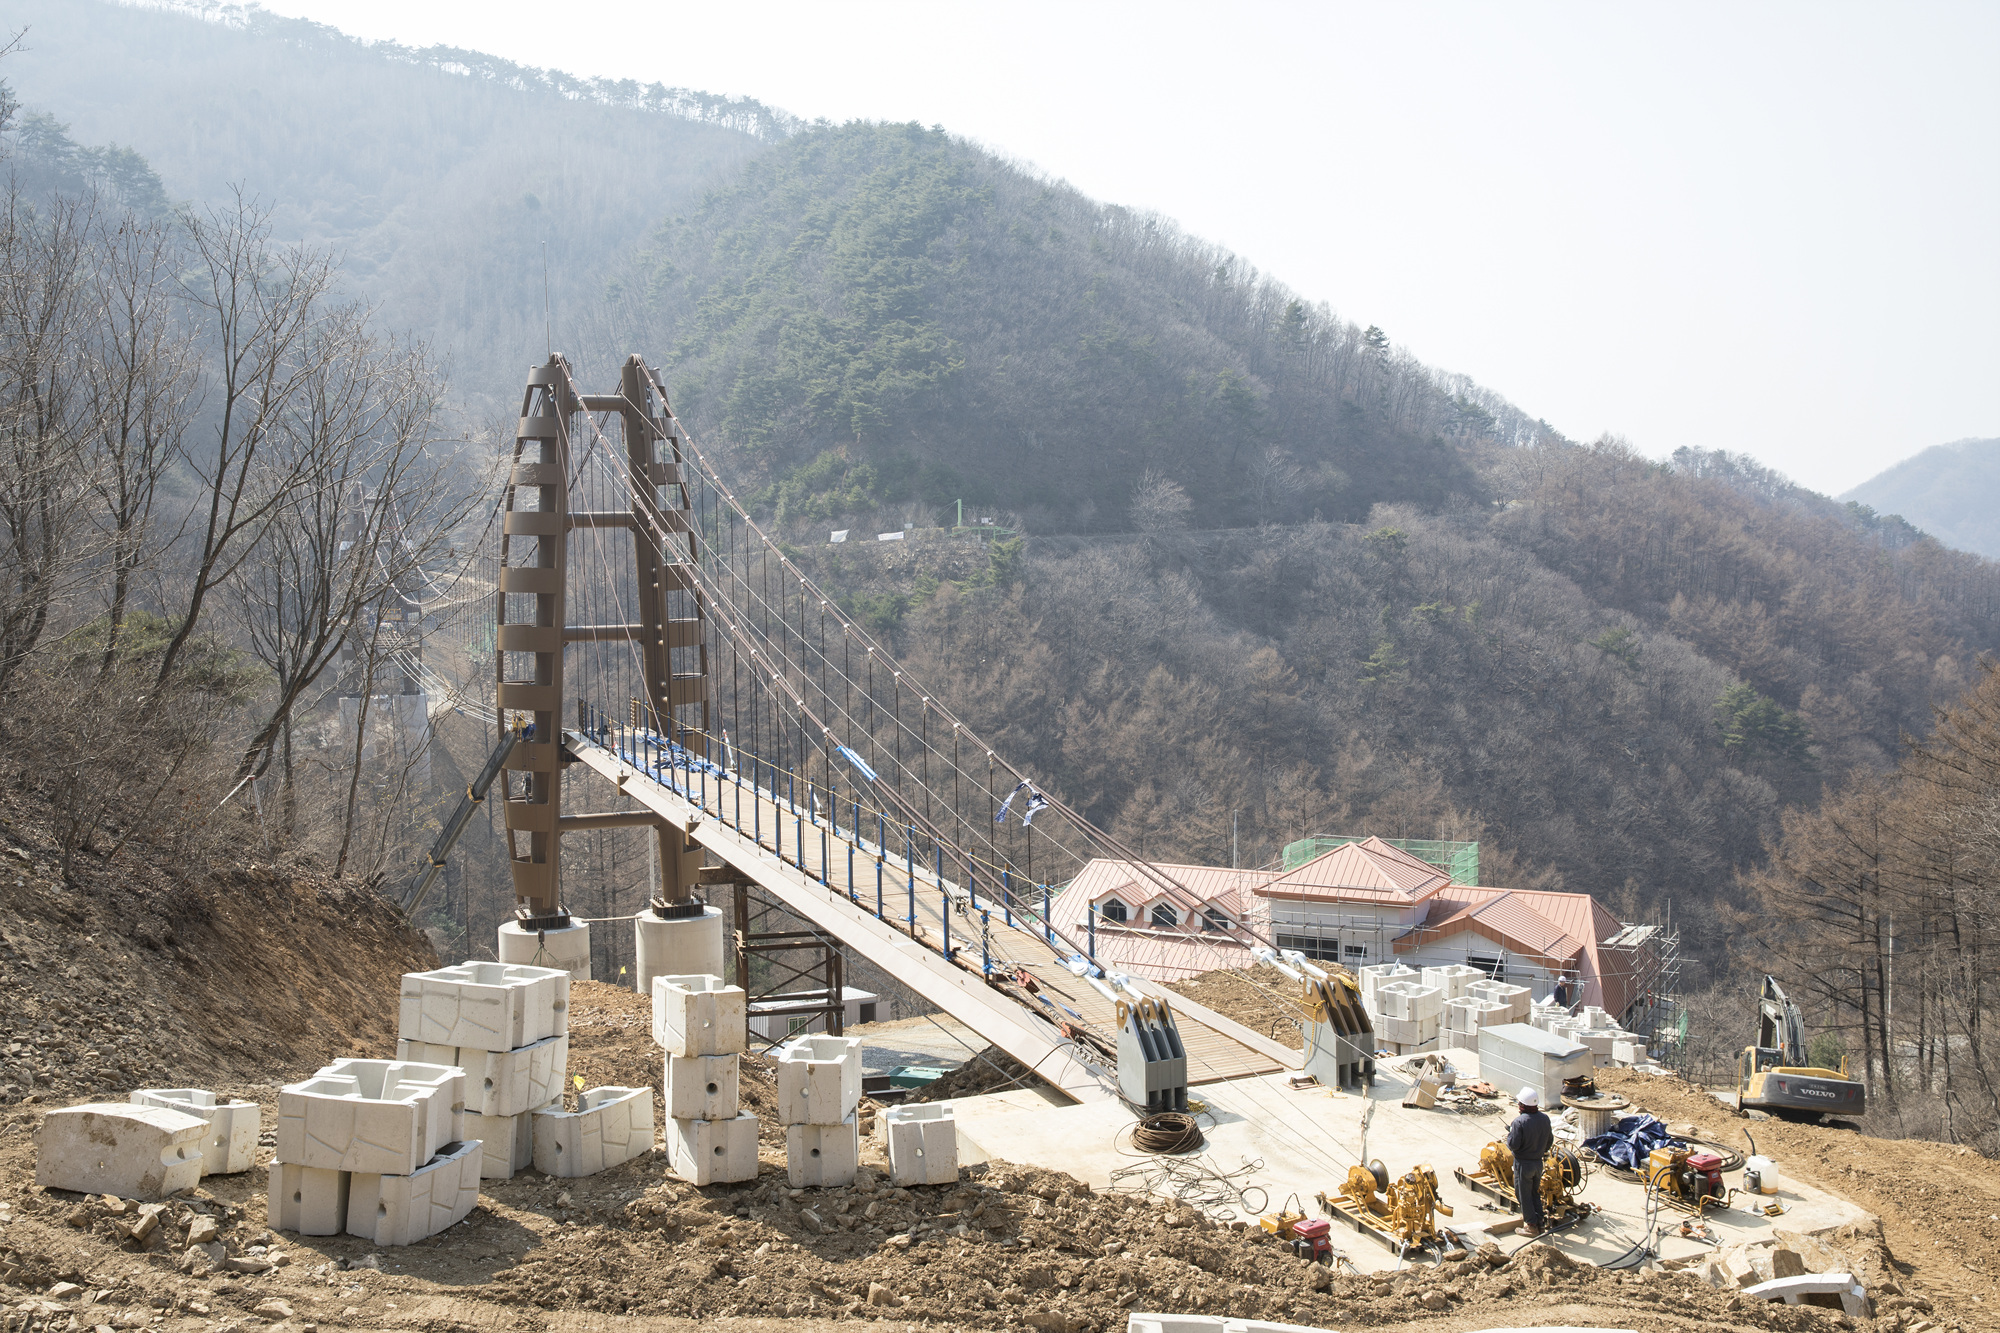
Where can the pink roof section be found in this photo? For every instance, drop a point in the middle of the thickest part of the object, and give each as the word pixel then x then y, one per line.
pixel 1366 871
pixel 1560 931
pixel 1557 931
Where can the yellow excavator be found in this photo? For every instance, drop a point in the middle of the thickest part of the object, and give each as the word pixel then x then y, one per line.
pixel 1775 1076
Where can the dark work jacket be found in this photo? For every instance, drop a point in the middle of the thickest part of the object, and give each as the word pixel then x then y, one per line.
pixel 1530 1137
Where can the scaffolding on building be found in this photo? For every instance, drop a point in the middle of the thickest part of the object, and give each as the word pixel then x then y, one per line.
pixel 1649 958
pixel 1460 860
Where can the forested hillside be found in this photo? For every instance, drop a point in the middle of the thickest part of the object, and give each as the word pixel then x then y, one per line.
pixel 437 177
pixel 876 315
pixel 1363 595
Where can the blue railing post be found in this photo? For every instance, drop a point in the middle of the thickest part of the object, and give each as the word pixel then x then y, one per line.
pixel 1007 897
pixel 825 859
pixel 756 807
pixel 850 872
pixel 944 915
pixel 1090 919
pixel 1048 923
pixel 878 882
pixel 910 870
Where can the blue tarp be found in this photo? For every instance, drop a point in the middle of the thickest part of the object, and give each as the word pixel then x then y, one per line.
pixel 1630 1142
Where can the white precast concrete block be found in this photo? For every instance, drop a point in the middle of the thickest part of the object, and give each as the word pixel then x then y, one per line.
pixel 1518 999
pixel 1598 1040
pixel 714 1152
pixel 484 1006
pixel 1393 999
pixel 819 1079
pixel 388 1117
pixel 1628 1052
pixel 307 1199
pixel 923 1144
pixel 500 1083
pixel 231 1145
pixel 1376 975
pixel 699 1015
pixel 1595 1017
pixel 566 949
pixel 134 1152
pixel 1452 978
pixel 703 1087
pixel 609 1126
pixel 1425 1001
pixel 402 1210
pixel 509 1142
pixel 818 1156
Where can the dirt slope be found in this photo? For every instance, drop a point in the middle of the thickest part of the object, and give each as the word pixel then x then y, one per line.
pixel 1939 1204
pixel 132 974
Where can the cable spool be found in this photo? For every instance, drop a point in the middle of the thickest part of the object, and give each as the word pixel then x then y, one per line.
pixel 1166 1133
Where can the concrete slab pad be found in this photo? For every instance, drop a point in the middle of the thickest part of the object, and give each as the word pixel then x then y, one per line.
pixel 1303 1142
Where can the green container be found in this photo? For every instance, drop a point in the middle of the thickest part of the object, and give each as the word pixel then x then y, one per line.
pixel 915 1076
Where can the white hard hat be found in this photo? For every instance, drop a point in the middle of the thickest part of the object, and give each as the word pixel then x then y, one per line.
pixel 1529 1097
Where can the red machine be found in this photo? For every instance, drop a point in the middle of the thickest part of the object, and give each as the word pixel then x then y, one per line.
pixel 1310 1240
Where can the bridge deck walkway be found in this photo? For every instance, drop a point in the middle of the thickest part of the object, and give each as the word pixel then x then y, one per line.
pixel 836 881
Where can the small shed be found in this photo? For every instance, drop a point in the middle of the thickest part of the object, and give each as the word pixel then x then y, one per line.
pixel 1513 1056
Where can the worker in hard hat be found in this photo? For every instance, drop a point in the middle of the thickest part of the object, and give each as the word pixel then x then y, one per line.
pixel 1529 1138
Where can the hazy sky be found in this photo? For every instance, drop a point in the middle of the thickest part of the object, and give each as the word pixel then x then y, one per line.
pixel 1771 228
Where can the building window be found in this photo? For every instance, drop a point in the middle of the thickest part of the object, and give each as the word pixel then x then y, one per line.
pixel 1113 910
pixel 1493 965
pixel 1212 918
pixel 1164 917
pixel 1357 953
pixel 868 1012
pixel 1313 947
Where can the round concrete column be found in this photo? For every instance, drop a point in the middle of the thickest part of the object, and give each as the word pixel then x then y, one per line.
pixel 567 949
pixel 677 946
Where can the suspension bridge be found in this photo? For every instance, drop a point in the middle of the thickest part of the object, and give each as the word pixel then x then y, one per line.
pixel 648 633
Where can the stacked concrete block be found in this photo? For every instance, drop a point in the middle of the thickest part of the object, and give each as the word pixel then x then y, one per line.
pixel 1594 1017
pixel 1545 1014
pixel 1464 1017
pixel 308 1199
pixel 133 1152
pixel 714 1152
pixel 507 1026
pixel 923 1145
pixel 231 1144
pixel 1453 978
pixel 1631 1052
pixel 1379 974
pixel 1409 1016
pixel 609 1126
pixel 703 1087
pixel 703 1025
pixel 386 1117
pixel 485 1006
pixel 374 1148
pixel 404 1209
pixel 508 1143
pixel 699 1015
pixel 819 1089
pixel 1519 1000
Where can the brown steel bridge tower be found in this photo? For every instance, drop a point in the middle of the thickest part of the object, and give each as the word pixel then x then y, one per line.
pixel 534 626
